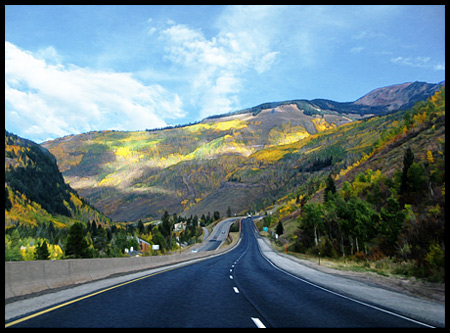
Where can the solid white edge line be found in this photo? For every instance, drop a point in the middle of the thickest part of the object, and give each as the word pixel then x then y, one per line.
pixel 258 322
pixel 343 296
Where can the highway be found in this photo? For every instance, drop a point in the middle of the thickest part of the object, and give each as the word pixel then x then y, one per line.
pixel 219 234
pixel 237 289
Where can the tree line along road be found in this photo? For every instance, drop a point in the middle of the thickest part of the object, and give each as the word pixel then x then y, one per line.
pixel 237 289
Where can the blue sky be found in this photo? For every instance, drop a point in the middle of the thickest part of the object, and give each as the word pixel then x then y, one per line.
pixel 73 69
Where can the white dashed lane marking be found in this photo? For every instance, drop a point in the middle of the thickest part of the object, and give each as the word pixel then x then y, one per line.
pixel 258 322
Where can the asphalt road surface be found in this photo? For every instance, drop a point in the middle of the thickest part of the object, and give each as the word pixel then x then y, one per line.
pixel 218 235
pixel 237 289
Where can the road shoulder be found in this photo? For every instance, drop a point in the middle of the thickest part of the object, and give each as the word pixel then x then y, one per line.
pixel 414 307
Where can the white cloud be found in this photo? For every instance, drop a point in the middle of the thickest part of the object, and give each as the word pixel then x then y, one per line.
pixel 50 100
pixel 357 49
pixel 50 55
pixel 439 67
pixel 246 42
pixel 222 95
pixel 217 66
pixel 266 62
pixel 419 62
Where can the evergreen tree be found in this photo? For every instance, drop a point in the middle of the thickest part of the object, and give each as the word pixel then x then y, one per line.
pixel 330 189
pixel 101 241
pixel 141 227
pixel 195 221
pixel 165 225
pixel 416 178
pixel 203 220
pixel 41 252
pixel 93 228
pixel 408 160
pixel 279 230
pixel 77 246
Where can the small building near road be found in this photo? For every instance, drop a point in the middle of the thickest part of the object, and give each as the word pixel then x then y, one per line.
pixel 144 246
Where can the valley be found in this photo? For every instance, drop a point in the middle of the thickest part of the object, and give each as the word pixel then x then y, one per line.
pixel 276 159
pixel 195 169
pixel 136 175
pixel 225 166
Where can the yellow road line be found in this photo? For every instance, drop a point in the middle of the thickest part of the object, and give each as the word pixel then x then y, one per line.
pixel 84 297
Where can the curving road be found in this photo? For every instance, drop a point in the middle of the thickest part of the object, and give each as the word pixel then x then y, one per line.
pixel 218 235
pixel 237 289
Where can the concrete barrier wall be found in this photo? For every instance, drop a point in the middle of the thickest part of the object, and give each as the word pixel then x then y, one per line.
pixel 27 277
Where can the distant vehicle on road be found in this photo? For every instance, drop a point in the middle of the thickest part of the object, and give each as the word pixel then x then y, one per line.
pixel 223 231
pixel 194 250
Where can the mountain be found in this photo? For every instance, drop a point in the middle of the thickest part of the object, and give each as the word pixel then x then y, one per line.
pixel 35 191
pixel 377 102
pixel 387 206
pixel 242 160
pixel 399 96
pixel 138 175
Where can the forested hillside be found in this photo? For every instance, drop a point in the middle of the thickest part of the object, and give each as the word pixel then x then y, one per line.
pixel 46 219
pixel 39 206
pixel 235 162
pixel 31 174
pixel 357 187
pixel 387 208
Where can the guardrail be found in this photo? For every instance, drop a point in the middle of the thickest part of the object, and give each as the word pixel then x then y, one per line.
pixel 27 277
